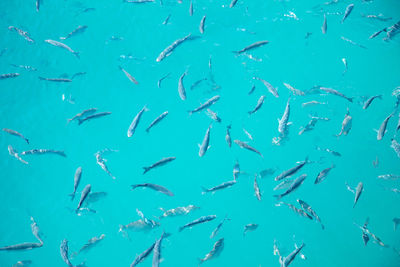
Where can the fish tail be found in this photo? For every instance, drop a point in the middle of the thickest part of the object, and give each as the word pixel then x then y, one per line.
pixel 134 186
pixel 77 54
pixel 278 197
pixel 41 78
pixel 146 169
pixel 27 140
pixel 204 190
pixel 350 99
pixel 72 196
pixel 181 228
pixel 80 121
pixel 190 112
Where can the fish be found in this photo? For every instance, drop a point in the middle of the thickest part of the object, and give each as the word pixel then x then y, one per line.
pixel 249 227
pixel 135 122
pixel 159 163
pixel 130 77
pixel 202 22
pixel 270 88
pixel 297 210
pixel 37 5
pixel 310 125
pixel 310 211
pixel 382 129
pixel 93 116
pixel 358 192
pixel 155 187
pixel 35 230
pixel 347 12
pixel 284 121
pixel 375 34
pixel 165 22
pixel 228 136
pixel 256 188
pixel 389 176
pixel 396 222
pixel 25 67
pixel 248 134
pixel 22 246
pixel 64 46
pixel 216 230
pixel 213 115
pixel 90 244
pixel 346 124
pixel 84 113
pixel 324 27
pixel 252 90
pixel 291 171
pixel 392 31
pixel 62 80
pixel 181 87
pixel 157 120
pixel 215 252
pixel 294 90
pixel 143 224
pixel 296 184
pixel 200 220
pixel 369 101
pixel 43 151
pixel 177 211
pixel 233 3
pixel 251 47
pixel 80 29
pixel 398 124
pixel 22 33
pixel 335 153
pixel 219 187
pixel 290 258
pixel 22 263
pixel 84 194
pixel 8 75
pixel 236 170
pixel 244 145
pixel 157 250
pixel 191 8
pixel 323 174
pixel 64 252
pixel 102 163
pixel 138 2
pixel 77 179
pixel 15 154
pixel 260 102
pixel 196 83
pixel 205 144
pixel 352 42
pixel 205 105
pixel 143 255
pixel 161 79
pixel 335 92
pixel 168 50
pixel 285 184
pixel 15 133
pixel 396 147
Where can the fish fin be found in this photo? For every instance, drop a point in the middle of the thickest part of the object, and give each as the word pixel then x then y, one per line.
pixel 204 190
pixel 27 141
pixel 278 197
pixel 77 54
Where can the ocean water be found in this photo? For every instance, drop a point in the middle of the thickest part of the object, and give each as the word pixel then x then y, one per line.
pixel 38 110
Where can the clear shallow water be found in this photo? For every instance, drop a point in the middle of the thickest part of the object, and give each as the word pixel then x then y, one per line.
pixel 36 109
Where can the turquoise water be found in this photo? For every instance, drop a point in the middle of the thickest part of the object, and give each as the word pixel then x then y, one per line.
pixel 36 109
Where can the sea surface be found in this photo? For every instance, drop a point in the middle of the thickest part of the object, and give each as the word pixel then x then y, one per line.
pixel 132 36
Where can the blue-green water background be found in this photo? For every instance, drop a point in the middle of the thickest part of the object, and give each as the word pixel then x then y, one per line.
pixel 35 108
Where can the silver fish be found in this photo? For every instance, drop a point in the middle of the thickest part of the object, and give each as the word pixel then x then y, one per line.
pixel 80 29
pixel 200 220
pixel 290 258
pixel 155 187
pixel 102 163
pixel 358 192
pixel 64 46
pixel 8 75
pixel 335 92
pixel 389 176
pixel 291 171
pixel 396 147
pixel 236 170
pixel 294 90
pixel 233 3
pixel 43 151
pixel 35 230
pixel 392 31
pixel 25 67
pixel 84 113
pixel 260 102
pixel 346 124
pixel 157 251
pixel 251 47
pixel 324 27
pixel 167 51
pixel 308 209
pixel 244 145
pixel 382 129
pixel 205 144
pixel 181 87
pixel 90 244
pixel 130 77
pixel 256 188
pixel 284 121
pixel 352 42
pixel 15 133
pixel 157 120
pixel 285 184
pixel 138 1
pixel 369 101
pixel 206 104
pixel 213 115
pixel 161 79
pixel 84 194
pixel 396 222
pixel 60 80
pixel 215 252
pixel 347 12
pixel 77 179
pixel 15 154
pixel 135 122
pixel 252 90
pixel 191 8
pixel 22 33
pixel 37 5
pixel 144 254
pixel 158 164
pixel 296 184
pixel 228 136
pixel 64 252
pixel 93 116
pixel 249 227
pixel 177 211
pixel 295 209
pixel 323 174
pixel 216 230
pixel 202 22
pixel 219 187
pixel 270 88
pixel 22 246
